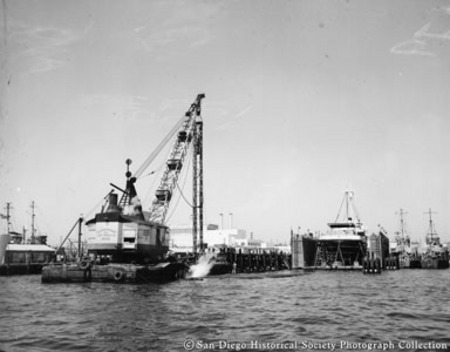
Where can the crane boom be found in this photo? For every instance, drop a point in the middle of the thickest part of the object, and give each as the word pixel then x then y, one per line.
pixel 174 164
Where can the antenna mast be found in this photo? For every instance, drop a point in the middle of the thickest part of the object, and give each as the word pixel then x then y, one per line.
pixel 401 212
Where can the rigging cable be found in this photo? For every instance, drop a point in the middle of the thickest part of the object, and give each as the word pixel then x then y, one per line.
pixel 181 193
pixel 340 208
pixel 158 149
pixel 158 177
pixel 150 190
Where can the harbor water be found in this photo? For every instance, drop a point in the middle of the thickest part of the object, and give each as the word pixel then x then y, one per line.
pixel 284 311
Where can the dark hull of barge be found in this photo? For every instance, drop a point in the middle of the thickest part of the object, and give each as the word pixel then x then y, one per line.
pixel 434 263
pixel 114 273
pixel 20 269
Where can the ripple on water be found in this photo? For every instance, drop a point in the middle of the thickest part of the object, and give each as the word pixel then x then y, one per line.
pixel 318 306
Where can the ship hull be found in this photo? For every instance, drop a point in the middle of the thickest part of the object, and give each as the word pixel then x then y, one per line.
pixel 411 264
pixel 114 272
pixel 220 268
pixel 20 269
pixel 434 263
pixel 340 254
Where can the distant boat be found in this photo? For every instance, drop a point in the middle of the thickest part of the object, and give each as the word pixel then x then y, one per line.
pixel 344 246
pixel 17 257
pixel 435 255
pixel 408 255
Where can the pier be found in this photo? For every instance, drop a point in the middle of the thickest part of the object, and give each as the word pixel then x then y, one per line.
pixel 230 260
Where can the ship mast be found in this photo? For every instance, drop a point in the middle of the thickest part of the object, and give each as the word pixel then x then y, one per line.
pixel 402 229
pixel 432 236
pixel 350 209
pixel 402 234
pixel 431 229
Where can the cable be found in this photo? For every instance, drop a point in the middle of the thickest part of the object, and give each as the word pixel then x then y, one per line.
pixel 187 202
pixel 158 149
pixel 158 177
pixel 181 193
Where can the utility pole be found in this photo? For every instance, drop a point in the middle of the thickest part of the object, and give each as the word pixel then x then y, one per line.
pixel 8 217
pixel 33 230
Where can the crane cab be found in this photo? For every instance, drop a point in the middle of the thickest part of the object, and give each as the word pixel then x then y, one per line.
pixel 126 238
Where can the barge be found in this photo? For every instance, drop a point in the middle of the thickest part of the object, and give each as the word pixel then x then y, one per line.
pixel 124 243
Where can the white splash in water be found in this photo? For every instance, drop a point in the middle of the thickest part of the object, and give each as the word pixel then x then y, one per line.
pixel 203 266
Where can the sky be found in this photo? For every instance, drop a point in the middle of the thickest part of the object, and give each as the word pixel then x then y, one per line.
pixel 304 100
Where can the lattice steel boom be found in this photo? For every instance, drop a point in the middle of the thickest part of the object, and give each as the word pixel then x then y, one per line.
pixel 174 164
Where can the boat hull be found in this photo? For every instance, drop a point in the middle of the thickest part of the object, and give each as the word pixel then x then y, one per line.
pixel 434 263
pixel 411 264
pixel 114 272
pixel 220 268
pixel 340 254
pixel 20 269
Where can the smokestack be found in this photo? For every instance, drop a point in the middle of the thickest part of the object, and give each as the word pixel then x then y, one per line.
pixel 231 220
pixel 221 220
pixel 112 203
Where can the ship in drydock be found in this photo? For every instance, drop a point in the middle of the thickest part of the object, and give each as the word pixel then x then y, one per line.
pixel 344 246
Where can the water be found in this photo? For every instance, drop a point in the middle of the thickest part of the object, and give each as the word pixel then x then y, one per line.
pixel 314 310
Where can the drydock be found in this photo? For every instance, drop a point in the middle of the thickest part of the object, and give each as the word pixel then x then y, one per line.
pixel 347 247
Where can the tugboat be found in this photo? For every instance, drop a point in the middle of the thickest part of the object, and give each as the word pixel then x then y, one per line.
pixel 435 255
pixel 20 255
pixel 408 255
pixel 344 246
pixel 124 243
